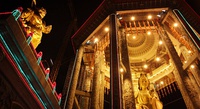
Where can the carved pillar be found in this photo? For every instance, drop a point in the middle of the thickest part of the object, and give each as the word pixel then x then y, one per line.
pixel 74 81
pixel 194 82
pixel 190 95
pixel 128 93
pixel 87 84
pixel 116 102
pixel 101 102
pixel 81 78
pixel 96 82
pixel 66 85
pixel 196 73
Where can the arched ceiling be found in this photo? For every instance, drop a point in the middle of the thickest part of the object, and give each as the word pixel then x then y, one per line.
pixel 142 47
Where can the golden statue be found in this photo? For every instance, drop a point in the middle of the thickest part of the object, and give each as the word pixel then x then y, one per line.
pixel 32 20
pixel 147 97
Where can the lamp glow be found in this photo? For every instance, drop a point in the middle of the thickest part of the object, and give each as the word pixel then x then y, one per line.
pixel 106 29
pixel 132 18
pixel 149 17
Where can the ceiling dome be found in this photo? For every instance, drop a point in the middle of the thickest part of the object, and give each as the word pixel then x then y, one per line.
pixel 135 40
pixel 142 46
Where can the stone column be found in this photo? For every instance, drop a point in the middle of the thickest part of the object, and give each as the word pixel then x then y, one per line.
pixel 190 95
pixel 96 82
pixel 74 81
pixel 194 82
pixel 101 95
pixel 194 38
pixel 116 99
pixel 87 84
pixel 128 93
pixel 66 85
pixel 196 73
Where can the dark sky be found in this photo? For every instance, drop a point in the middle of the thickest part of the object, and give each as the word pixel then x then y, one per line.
pixel 58 15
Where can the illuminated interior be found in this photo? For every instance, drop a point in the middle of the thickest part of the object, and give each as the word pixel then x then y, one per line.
pixel 143 31
pixel 141 58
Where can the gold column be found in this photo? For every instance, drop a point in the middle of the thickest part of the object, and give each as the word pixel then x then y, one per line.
pixel 96 82
pixel 190 95
pixel 87 84
pixel 73 85
pixel 101 102
pixel 195 73
pixel 193 80
pixel 128 94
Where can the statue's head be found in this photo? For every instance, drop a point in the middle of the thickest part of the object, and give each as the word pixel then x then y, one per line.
pixel 143 82
pixel 42 12
pixel 27 13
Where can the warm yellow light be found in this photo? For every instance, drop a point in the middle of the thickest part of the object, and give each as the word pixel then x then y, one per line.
pixel 161 82
pixel 149 17
pixel 160 42
pixel 134 37
pixel 189 51
pixel 149 33
pixel 157 59
pixel 192 66
pixel 121 70
pixel 106 29
pixel 132 18
pixel 175 24
pixel 96 40
pixel 145 66
pixel 185 61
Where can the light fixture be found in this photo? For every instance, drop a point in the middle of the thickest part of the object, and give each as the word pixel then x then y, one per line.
pixel 192 66
pixel 145 66
pixel 157 59
pixel 134 37
pixel 106 29
pixel 88 42
pixel 149 17
pixel 121 70
pixel 120 18
pixel 160 42
pixel 175 24
pixel 161 82
pixel 149 32
pixel 132 18
pixel 96 40
pixel 159 15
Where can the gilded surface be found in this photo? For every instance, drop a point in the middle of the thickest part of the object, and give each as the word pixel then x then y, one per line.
pixel 147 97
pixel 32 20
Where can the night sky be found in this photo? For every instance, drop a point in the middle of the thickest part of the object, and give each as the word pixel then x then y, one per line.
pixel 58 15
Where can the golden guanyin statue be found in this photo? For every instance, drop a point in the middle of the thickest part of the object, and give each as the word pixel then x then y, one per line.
pixel 32 20
pixel 147 97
